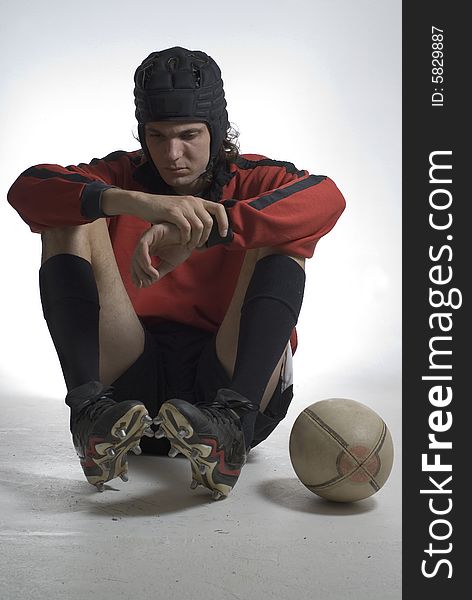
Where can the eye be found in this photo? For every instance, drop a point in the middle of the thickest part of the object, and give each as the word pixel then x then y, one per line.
pixel 155 137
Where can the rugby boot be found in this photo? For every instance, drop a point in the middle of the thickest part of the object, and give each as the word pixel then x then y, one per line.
pixel 103 431
pixel 210 436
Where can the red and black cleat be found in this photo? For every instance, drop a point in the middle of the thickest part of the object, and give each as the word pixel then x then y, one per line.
pixel 104 431
pixel 210 436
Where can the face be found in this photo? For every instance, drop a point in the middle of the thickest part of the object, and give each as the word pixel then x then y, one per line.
pixel 180 151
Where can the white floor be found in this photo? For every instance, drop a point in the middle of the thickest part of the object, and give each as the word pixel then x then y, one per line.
pixel 155 538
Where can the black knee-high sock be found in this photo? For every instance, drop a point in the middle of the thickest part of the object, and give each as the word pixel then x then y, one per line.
pixel 71 308
pixel 269 313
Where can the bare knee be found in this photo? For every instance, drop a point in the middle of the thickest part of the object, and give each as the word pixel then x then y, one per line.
pixel 269 250
pixel 228 334
pixel 75 240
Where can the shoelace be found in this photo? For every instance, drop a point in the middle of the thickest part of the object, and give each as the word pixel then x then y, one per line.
pixel 220 409
pixel 92 409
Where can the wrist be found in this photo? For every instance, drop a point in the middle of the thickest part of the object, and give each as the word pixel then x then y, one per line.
pixel 116 201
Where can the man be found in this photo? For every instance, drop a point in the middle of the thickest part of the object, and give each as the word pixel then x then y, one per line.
pixel 172 278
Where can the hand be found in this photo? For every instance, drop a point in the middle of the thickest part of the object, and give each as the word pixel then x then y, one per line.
pixel 163 241
pixel 191 215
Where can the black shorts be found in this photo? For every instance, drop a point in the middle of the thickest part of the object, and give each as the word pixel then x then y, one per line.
pixel 180 361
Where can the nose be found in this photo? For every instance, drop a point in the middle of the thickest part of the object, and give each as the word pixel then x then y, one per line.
pixel 174 149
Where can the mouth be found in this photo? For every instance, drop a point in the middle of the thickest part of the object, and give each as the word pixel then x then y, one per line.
pixel 176 169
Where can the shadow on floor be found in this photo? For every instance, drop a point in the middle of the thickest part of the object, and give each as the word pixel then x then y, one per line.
pixel 290 493
pixel 157 486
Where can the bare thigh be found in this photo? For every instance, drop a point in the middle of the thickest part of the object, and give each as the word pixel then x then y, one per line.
pixel 228 334
pixel 121 332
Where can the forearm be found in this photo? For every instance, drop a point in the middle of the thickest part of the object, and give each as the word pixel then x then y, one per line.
pixel 195 218
pixel 50 195
pixel 291 218
pixel 116 201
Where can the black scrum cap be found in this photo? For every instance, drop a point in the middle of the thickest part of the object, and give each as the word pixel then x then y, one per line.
pixel 178 84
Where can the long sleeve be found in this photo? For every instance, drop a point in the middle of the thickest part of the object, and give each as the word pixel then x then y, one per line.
pixel 49 195
pixel 280 206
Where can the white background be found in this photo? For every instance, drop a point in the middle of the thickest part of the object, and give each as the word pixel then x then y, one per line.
pixel 315 82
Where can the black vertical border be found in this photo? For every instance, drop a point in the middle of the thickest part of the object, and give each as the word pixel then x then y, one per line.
pixel 428 128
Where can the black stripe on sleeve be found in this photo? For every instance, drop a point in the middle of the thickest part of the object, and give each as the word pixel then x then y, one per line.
pixel 90 207
pixel 299 185
pixel 244 163
pixel 91 200
pixel 38 173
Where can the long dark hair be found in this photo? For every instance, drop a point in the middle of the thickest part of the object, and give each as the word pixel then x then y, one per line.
pixel 230 146
pixel 227 154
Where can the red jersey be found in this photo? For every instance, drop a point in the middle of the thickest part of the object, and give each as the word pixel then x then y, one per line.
pixel 268 203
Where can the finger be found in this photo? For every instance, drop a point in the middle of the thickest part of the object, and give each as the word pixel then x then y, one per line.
pixel 141 276
pixel 198 228
pixel 147 278
pixel 164 268
pixel 145 265
pixel 142 259
pixel 181 222
pixel 138 275
pixel 185 232
pixel 219 212
pixel 142 252
pixel 207 222
pixel 134 277
pixel 152 273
